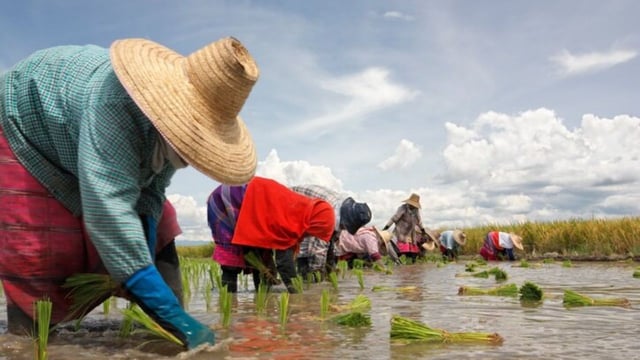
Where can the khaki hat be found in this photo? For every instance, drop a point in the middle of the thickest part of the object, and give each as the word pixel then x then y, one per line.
pixel 194 101
pixel 460 237
pixel 414 200
pixel 517 241
pixel 429 245
pixel 383 235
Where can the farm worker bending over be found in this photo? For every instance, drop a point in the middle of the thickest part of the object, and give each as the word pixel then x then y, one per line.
pixel 317 255
pixel 499 246
pixel 90 138
pixel 264 216
pixel 450 243
pixel 364 244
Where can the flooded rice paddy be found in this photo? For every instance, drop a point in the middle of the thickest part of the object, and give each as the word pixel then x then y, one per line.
pixel 546 331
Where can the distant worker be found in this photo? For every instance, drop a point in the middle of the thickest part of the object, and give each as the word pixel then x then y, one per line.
pixel 499 246
pixel 450 243
pixel 364 245
pixel 408 227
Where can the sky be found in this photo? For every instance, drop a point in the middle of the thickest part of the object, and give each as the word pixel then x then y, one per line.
pixel 494 112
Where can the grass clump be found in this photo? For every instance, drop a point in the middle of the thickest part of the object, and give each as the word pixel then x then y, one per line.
pixel 353 319
pixel 573 299
pixel 407 329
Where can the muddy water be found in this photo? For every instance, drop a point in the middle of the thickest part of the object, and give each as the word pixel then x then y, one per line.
pixel 542 332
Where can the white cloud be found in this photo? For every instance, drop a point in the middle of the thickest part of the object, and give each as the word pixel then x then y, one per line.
pixel 397 15
pixel 191 217
pixel 570 64
pixel 406 154
pixel 365 93
pixel 297 172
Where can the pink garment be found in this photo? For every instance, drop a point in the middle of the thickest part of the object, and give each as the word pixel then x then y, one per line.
pixel 168 227
pixel 364 242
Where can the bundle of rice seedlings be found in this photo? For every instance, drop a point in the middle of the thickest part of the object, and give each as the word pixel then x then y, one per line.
pixel 470 267
pixel 262 294
pixel 572 298
pixel 126 327
pixel 342 266
pixel 136 315
pixel 360 275
pixel 504 290
pixel 358 263
pixel 360 303
pixel 376 288
pixel 567 263
pixel 88 291
pixel 224 304
pixel 636 273
pixel 42 310
pixel 325 301
pixel 407 329
pixel 530 292
pixel 353 319
pixel 499 274
pixel 252 259
pixel 524 263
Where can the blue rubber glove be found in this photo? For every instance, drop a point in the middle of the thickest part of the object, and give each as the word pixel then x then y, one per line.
pixel 157 300
pixel 150 231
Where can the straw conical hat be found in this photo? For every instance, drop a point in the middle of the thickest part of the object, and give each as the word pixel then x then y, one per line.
pixel 517 241
pixel 414 199
pixel 194 101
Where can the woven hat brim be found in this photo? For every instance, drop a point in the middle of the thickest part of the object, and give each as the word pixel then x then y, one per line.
pixel 154 77
pixel 413 203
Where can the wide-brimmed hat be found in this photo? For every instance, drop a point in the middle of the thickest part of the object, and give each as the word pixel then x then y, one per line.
pixel 413 200
pixel 387 247
pixel 517 241
pixel 459 237
pixel 194 101
pixel 431 239
pixel 383 235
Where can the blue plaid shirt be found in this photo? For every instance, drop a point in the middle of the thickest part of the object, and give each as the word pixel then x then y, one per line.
pixel 74 127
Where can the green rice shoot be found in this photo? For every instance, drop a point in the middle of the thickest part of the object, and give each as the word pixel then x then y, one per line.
pixel 567 263
pixel 261 298
pixel 342 266
pixel 43 308
pixel 224 304
pixel 401 289
pixel 360 276
pixel 87 291
pixel 127 325
pixel 406 329
pixel 252 259
pixel 283 306
pixel 325 302
pixel 297 284
pixel 524 263
pixel 333 278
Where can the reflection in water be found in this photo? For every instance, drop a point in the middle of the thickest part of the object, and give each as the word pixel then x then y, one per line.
pixel 547 330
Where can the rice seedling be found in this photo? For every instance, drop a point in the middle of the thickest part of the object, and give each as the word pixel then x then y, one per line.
pixel 87 291
pixel 215 275
pixel 572 299
pixel 333 278
pixel 530 292
pixel 406 329
pixel 136 315
pixel 325 301
pixel 297 284
pixel 261 298
pixel 360 303
pixel 358 263
pixel 208 289
pixel 636 273
pixel 548 261
pixel 186 288
pixel 567 263
pixel 283 306
pixel 377 267
pixel 317 275
pixel 524 263
pixel 470 267
pixel 504 290
pixel 106 306
pixel 360 275
pixel 342 267
pixel 353 319
pixel 42 309
pixel 310 278
pixel 126 327
pixel 224 304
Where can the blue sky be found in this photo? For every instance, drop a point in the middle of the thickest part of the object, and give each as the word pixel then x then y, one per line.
pixel 492 111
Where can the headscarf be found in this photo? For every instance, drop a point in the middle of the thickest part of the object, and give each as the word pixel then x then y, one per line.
pixel 354 215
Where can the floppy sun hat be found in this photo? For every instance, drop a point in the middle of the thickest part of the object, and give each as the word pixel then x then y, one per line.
pixel 194 101
pixel 413 200
pixel 517 241
pixel 459 237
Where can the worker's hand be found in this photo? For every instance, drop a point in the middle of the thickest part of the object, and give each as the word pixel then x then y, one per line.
pixel 386 227
pixel 155 297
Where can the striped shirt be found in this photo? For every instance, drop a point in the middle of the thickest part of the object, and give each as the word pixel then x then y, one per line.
pixel 74 127
pixel 311 247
